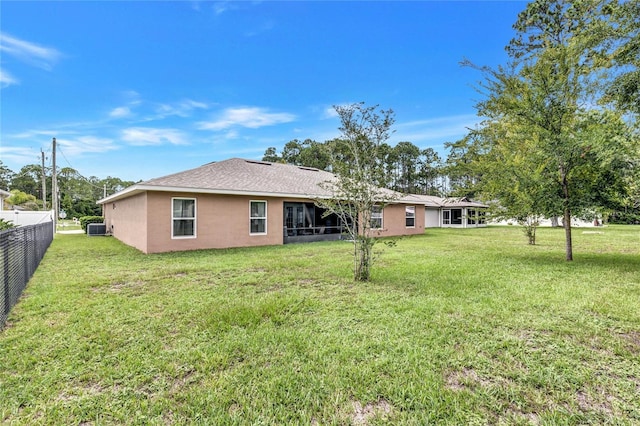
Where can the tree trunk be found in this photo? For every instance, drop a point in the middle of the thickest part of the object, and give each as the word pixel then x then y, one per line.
pixel 554 222
pixel 566 219
pixel 567 234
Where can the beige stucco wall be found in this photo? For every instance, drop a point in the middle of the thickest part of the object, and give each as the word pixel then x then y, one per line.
pixel 126 220
pixel 393 221
pixel 222 221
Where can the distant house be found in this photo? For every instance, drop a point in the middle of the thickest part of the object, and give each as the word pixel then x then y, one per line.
pixel 452 212
pixel 238 203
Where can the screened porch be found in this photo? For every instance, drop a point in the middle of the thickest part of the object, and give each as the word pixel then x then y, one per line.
pixel 304 222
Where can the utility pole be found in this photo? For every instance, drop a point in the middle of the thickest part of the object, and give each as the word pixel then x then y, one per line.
pixel 44 183
pixel 54 187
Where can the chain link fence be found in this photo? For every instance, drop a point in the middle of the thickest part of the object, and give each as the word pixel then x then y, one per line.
pixel 21 250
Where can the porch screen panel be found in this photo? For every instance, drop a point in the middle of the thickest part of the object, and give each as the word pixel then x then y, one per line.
pixel 456 216
pixel 446 217
pixel 471 217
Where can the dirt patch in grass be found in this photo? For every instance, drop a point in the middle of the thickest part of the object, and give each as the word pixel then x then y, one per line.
pixel 633 341
pixel 515 413
pixel 586 402
pixel 461 380
pixel 118 286
pixel 363 414
pixel 183 381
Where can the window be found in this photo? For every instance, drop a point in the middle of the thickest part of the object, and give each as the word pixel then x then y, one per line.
pixel 376 217
pixel 471 217
pixel 456 216
pixel 482 220
pixel 258 217
pixel 183 217
pixel 410 216
pixel 446 217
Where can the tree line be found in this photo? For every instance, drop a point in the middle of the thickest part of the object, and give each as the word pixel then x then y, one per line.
pixel 405 167
pixel 77 194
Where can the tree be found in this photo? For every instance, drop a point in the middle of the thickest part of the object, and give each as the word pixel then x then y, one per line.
pixel 429 169
pixel 460 167
pixel 547 94
pixel 20 198
pixel 314 154
pixel 407 155
pixel 6 176
pixel 621 39
pixel 355 162
pixel 291 152
pixel 28 179
pixel 512 174
pixel 271 155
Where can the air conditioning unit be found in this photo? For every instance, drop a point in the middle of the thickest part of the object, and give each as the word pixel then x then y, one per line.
pixel 96 229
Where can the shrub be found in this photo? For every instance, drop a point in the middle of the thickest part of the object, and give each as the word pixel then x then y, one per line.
pixel 6 224
pixel 85 220
pixel 625 218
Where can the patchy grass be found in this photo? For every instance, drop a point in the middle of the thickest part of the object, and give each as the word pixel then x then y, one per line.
pixel 456 327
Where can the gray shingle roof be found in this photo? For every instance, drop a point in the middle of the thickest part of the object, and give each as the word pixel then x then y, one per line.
pixel 238 176
pixel 261 178
pixel 248 176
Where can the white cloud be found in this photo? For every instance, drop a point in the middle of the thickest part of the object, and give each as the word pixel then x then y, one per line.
pixel 31 53
pixel 330 112
pixel 251 117
pixel 33 134
pixel 141 136
pixel 6 79
pixel 120 112
pixel 181 109
pixel 19 154
pixel 220 7
pixel 85 145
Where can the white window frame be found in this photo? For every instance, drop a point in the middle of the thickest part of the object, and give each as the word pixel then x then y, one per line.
pixel 194 218
pixel 472 217
pixel 258 217
pixel 377 215
pixel 446 217
pixel 408 215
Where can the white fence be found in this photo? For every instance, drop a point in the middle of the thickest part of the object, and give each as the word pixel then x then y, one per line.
pixel 24 218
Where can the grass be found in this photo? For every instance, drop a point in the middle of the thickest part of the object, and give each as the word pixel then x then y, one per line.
pixel 456 327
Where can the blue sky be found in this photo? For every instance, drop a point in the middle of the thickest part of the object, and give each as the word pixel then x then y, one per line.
pixel 138 90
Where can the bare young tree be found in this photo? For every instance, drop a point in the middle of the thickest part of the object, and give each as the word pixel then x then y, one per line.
pixel 356 199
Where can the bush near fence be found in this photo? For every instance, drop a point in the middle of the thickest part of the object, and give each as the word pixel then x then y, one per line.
pixel 21 250
pixel 85 220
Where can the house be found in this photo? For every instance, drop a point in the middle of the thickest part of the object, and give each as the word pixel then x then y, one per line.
pixel 239 203
pixel 3 194
pixel 451 212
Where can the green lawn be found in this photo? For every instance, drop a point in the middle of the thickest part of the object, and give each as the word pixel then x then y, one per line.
pixel 456 327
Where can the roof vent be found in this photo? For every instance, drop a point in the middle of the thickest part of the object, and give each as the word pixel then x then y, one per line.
pixel 258 162
pixel 311 169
